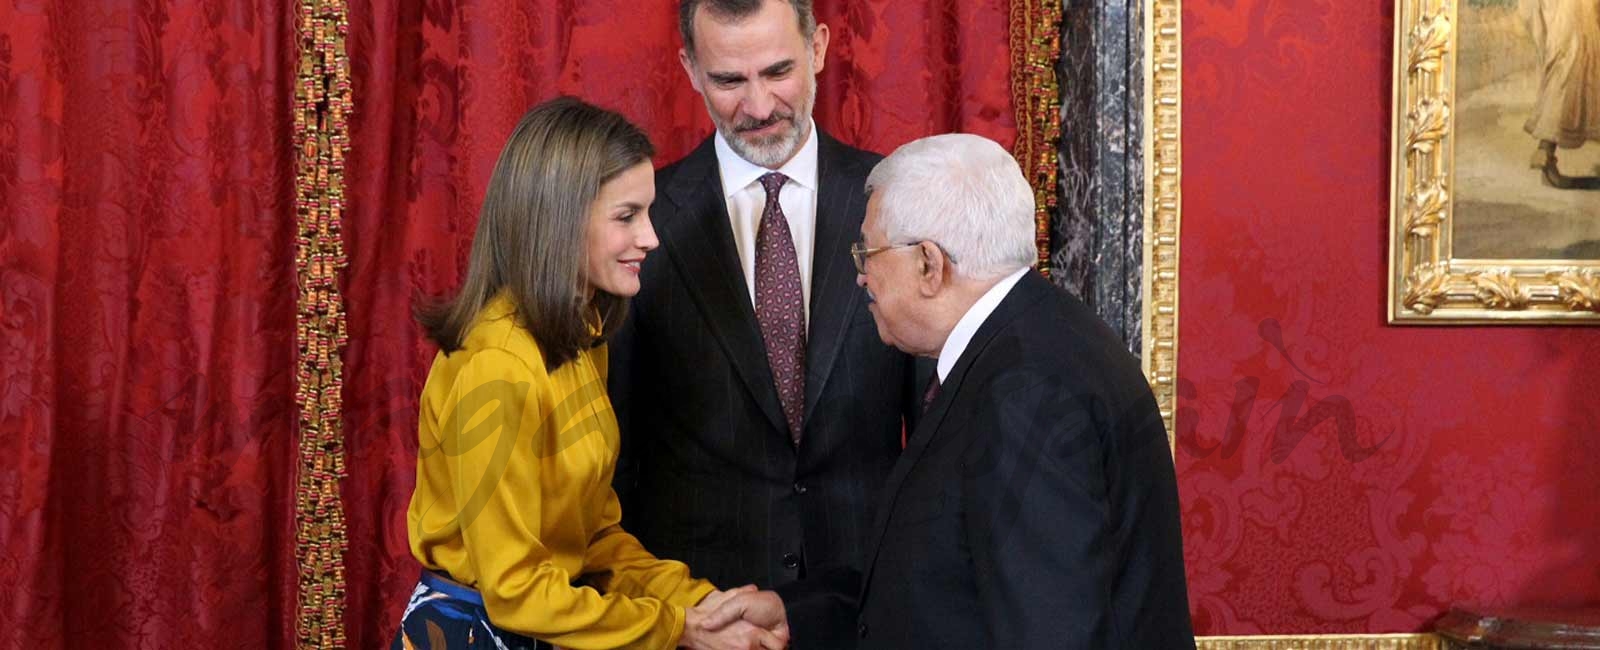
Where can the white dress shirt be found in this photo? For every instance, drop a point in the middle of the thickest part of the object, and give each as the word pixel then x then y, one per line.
pixel 741 184
pixel 959 337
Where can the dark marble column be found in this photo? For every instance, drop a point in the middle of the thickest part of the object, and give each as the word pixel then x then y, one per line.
pixel 1097 243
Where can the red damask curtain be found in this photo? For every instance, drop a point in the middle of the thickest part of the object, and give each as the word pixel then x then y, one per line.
pixel 148 266
pixel 438 86
pixel 146 324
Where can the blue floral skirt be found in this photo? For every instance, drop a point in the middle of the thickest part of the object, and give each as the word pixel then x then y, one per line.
pixel 444 614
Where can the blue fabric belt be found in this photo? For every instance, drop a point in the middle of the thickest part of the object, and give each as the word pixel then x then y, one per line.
pixel 439 582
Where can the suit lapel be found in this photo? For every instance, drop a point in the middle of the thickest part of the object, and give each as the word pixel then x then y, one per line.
pixel 700 242
pixel 1029 290
pixel 833 276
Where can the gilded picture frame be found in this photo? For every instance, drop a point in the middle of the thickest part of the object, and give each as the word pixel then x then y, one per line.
pixel 1163 204
pixel 1439 274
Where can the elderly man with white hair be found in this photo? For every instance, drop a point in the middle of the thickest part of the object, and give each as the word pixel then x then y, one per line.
pixel 1035 505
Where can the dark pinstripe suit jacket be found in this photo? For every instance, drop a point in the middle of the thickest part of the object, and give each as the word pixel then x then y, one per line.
pixel 708 475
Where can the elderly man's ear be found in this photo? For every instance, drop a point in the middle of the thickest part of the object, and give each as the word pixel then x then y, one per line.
pixel 933 267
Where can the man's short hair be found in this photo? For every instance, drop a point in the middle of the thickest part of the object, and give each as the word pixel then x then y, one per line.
pixel 735 10
pixel 964 193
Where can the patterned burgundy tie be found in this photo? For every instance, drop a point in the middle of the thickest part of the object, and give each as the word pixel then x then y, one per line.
pixel 780 305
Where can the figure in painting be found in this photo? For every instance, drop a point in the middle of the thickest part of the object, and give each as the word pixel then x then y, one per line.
pixel 1567 111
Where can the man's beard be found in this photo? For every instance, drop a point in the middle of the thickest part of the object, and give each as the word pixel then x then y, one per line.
pixel 774 150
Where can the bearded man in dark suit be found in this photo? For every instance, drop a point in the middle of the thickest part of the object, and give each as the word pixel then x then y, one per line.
pixel 760 412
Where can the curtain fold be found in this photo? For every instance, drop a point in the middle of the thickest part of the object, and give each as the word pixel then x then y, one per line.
pixel 146 324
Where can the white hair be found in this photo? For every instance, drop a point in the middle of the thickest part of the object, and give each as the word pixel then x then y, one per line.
pixel 964 193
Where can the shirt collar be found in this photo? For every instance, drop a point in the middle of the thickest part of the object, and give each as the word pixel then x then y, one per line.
pixel 956 343
pixel 738 173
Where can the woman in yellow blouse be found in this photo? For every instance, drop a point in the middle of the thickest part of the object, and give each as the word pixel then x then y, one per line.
pixel 514 519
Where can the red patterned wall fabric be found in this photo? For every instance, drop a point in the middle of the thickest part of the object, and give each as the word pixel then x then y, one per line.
pixel 146 324
pixel 438 86
pixel 1482 488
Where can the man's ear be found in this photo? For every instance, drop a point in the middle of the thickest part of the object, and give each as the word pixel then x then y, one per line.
pixel 931 267
pixel 819 48
pixel 689 69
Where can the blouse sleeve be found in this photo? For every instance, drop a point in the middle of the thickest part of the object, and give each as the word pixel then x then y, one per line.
pixel 617 563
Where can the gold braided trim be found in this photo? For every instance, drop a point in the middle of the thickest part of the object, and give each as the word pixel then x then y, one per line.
pixel 322 104
pixel 1035 98
pixel 1323 642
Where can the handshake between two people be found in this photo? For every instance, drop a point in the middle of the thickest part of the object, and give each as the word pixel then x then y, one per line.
pixel 737 619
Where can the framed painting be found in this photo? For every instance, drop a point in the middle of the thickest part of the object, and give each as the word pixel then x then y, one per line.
pixel 1495 182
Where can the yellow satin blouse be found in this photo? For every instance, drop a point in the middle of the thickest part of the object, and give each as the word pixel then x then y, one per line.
pixel 514 496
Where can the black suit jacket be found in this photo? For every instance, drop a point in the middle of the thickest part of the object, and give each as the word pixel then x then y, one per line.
pixel 707 473
pixel 1036 505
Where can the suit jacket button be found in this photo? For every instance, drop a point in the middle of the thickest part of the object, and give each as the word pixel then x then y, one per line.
pixel 799 489
pixel 791 561
pixel 862 630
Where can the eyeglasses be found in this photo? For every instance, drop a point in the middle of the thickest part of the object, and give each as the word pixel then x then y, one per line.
pixel 859 253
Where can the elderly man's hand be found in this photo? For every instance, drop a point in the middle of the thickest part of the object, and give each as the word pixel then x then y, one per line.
pixel 760 608
pixel 715 599
pixel 719 622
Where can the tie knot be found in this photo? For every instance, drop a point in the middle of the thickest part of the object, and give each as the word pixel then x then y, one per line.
pixel 773 181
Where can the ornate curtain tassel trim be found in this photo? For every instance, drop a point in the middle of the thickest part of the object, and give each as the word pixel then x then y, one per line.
pixel 322 106
pixel 1036 100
